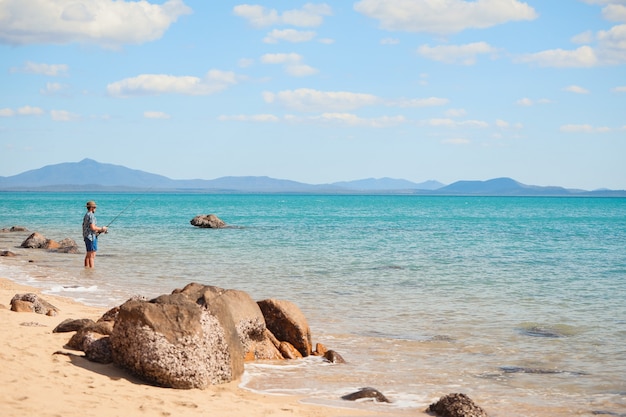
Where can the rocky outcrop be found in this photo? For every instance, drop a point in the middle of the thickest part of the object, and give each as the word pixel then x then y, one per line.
pixel 39 241
pixel 6 253
pixel 183 340
pixel 456 405
pixel 285 320
pixel 207 221
pixel 31 303
pixel 196 336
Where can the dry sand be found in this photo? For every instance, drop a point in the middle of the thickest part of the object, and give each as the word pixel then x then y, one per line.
pixel 36 381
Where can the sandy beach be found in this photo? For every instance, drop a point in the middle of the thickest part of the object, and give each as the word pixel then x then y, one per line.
pixel 36 381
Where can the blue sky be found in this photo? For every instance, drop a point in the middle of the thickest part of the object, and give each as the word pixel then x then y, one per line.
pixel 319 92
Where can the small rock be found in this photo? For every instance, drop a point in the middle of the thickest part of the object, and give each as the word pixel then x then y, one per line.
pixel 333 357
pixel 456 405
pixel 367 393
pixel 208 221
pixel 72 325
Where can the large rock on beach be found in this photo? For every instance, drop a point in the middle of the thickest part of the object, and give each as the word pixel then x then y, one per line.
pixel 32 303
pixel 285 320
pixel 35 241
pixel 185 340
pixel 208 221
pixel 456 405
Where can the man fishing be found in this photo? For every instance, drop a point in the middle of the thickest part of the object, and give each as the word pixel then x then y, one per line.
pixel 90 234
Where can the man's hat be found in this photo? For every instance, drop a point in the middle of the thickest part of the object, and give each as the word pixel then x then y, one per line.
pixel 91 204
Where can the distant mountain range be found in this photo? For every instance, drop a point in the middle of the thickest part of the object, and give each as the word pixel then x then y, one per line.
pixel 90 175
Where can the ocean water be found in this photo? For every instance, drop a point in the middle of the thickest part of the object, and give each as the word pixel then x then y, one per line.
pixel 518 302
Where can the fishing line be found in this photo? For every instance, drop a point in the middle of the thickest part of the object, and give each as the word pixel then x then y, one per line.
pixel 125 208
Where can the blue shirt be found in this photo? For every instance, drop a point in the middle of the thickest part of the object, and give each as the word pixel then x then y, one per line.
pixel 88 220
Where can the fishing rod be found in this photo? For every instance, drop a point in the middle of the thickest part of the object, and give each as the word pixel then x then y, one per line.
pixel 121 212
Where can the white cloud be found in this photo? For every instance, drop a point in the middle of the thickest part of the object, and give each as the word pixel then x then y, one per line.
pixel 456 112
pixel 356 121
pixel 614 13
pixel 289 35
pixel 63 116
pixel 156 115
pixel 22 111
pixel 53 89
pixel 292 62
pixel 108 23
pixel 530 102
pixel 309 100
pixel 583 38
pixel 245 62
pixel 561 58
pixel 260 118
pixel 620 89
pixel 310 15
pixel 583 128
pixel 455 123
pixel 418 102
pixel 153 84
pixel 389 41
pixel 443 17
pixel 457 54
pixel 52 70
pixel 576 89
pixel 609 49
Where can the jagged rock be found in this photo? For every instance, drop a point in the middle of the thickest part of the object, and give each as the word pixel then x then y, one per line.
pixel 456 405
pixel 66 245
pixel 333 357
pixel 367 393
pixel 207 221
pixel 285 320
pixel 99 350
pixel 82 339
pixel 288 351
pixel 72 325
pixel 186 339
pixel 14 229
pixel 35 241
pixel 32 303
pixel 320 350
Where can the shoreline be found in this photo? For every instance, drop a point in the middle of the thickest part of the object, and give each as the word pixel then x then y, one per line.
pixel 38 382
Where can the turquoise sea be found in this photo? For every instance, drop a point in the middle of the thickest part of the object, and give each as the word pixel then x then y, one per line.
pixel 518 302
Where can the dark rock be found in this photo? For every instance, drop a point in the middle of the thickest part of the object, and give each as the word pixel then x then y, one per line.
pixel 285 320
pixel 99 350
pixel 6 253
pixel 14 229
pixel 72 325
pixel 367 393
pixel 30 301
pixel 35 241
pixel 208 221
pixel 333 357
pixel 538 331
pixel 66 245
pixel 456 405
pixel 187 339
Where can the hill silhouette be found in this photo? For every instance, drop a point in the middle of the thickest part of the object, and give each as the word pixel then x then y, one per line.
pixel 90 175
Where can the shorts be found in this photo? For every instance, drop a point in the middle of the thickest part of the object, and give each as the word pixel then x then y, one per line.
pixel 91 245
